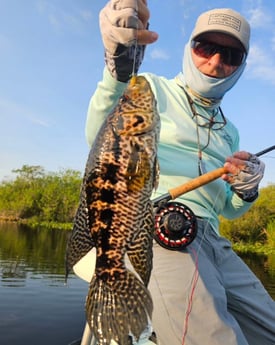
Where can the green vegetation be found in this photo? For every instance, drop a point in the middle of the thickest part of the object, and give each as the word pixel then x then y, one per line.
pixel 51 199
pixel 37 197
pixel 255 230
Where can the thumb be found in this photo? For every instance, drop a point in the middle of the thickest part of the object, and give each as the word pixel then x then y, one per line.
pixel 146 37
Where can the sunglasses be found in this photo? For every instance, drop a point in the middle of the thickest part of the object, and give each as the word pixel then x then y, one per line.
pixel 230 56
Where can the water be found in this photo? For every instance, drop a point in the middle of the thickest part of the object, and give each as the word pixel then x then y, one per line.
pixel 36 307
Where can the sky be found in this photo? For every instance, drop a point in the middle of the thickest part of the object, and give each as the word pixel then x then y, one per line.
pixel 51 59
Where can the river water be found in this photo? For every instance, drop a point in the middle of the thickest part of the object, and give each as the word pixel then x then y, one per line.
pixel 36 306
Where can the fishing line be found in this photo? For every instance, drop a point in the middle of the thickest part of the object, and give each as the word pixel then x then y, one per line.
pixel 194 281
pixel 136 43
pixel 195 276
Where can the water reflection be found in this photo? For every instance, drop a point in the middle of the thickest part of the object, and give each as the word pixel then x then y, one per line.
pixel 34 299
pixel 35 304
pixel 264 267
pixel 12 274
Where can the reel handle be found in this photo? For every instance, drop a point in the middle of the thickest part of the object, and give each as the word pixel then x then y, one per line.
pixel 196 182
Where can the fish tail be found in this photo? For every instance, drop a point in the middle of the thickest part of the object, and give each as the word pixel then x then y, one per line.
pixel 116 309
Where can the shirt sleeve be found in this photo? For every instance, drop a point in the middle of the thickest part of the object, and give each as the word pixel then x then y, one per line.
pixel 104 99
pixel 235 207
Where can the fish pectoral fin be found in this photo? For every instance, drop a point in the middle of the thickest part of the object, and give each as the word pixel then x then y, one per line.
pixel 133 161
pixel 156 174
pixel 138 171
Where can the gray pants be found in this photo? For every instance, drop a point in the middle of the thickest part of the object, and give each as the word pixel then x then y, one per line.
pixel 207 295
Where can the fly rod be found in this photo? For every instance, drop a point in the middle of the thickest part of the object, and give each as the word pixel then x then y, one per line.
pixel 198 182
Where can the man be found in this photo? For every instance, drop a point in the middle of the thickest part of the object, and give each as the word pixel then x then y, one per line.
pixel 203 294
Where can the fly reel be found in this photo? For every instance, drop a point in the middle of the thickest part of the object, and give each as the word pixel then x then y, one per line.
pixel 175 226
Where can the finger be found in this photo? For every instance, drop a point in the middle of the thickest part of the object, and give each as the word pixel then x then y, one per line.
pixel 232 169
pixel 239 163
pixel 143 13
pixel 227 178
pixel 242 155
pixel 146 36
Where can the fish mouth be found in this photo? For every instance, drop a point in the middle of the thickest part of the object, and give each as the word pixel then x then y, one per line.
pixel 138 84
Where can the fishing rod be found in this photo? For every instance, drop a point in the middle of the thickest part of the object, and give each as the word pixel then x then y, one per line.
pixel 198 182
pixel 175 223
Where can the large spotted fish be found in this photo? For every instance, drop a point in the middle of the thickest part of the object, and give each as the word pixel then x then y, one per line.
pixel 115 215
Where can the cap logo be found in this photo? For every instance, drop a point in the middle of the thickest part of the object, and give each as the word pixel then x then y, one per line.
pixel 225 20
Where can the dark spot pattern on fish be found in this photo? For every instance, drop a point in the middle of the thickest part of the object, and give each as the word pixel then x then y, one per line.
pixel 139 120
pixel 106 217
pixel 111 170
pixel 107 195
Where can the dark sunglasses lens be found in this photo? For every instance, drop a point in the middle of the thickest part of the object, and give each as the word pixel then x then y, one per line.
pixel 230 56
pixel 203 49
pixel 236 57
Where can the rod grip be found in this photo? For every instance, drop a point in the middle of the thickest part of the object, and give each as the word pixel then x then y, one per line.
pixel 197 182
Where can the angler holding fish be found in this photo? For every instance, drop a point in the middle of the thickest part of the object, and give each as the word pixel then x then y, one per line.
pixel 202 293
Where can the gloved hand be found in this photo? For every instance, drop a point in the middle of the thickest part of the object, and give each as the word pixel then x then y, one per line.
pixel 245 173
pixel 122 24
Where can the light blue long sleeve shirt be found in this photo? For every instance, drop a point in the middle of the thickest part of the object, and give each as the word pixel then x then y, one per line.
pixel 178 145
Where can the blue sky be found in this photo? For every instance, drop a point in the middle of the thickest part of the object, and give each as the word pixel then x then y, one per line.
pixel 51 59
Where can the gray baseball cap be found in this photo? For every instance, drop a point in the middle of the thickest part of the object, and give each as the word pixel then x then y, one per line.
pixel 224 20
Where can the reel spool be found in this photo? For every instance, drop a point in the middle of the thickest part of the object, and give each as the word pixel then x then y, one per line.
pixel 175 226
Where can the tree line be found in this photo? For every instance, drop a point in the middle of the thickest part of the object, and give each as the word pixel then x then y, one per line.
pixel 37 195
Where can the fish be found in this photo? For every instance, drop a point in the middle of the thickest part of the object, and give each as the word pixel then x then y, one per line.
pixel 80 240
pixel 115 215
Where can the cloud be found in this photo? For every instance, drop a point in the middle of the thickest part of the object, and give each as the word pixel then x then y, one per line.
pixel 86 15
pixel 259 18
pixel 159 54
pixel 261 65
pixel 17 112
pixel 61 19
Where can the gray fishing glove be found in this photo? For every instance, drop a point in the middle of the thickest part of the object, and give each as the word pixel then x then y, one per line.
pixel 118 24
pixel 246 183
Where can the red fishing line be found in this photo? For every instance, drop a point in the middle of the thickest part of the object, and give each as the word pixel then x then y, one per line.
pixel 191 296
